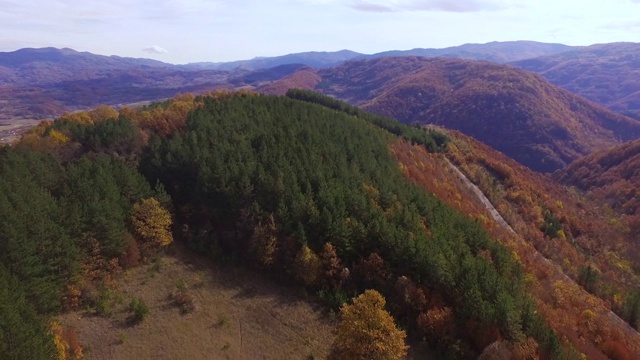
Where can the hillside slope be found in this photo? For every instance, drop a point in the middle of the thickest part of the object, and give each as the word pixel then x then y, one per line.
pixel 324 197
pixel 310 195
pixel 605 73
pixel 514 111
pixel 581 244
pixel 238 314
pixel 612 176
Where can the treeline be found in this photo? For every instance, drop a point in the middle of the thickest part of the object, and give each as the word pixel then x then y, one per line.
pixel 314 195
pixel 433 140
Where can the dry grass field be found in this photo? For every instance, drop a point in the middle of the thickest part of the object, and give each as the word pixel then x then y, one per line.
pixel 238 315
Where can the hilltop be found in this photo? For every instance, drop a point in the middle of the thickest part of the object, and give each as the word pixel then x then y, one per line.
pixel 514 111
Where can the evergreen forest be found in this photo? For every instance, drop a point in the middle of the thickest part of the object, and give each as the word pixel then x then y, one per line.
pixel 302 187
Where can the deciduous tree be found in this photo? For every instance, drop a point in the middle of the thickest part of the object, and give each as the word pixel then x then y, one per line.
pixel 307 266
pixel 367 331
pixel 151 222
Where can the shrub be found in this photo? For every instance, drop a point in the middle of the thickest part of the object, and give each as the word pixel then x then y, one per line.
pixel 139 310
pixel 182 299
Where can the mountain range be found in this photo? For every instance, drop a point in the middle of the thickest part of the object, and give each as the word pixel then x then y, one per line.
pixel 501 52
pixel 608 74
pixel 34 82
pixel 512 110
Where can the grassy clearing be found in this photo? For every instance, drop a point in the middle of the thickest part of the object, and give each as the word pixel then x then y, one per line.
pixel 237 314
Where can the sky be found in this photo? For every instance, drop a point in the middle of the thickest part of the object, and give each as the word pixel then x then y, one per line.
pixel 183 31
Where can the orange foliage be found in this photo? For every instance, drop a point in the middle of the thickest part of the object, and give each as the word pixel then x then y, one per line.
pixel 410 294
pixel 331 268
pixel 66 343
pixel 521 197
pixel 437 324
pixel 616 351
pixel 263 242
pixel 372 271
pixel 305 78
pixel 43 138
pixel 166 120
pixel 367 331
pixel 131 256
pixel 525 350
pixel 79 117
pixel 103 112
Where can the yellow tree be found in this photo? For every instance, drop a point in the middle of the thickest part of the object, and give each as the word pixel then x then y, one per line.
pixel 151 222
pixel 306 266
pixel 102 113
pixel 78 117
pixel 367 331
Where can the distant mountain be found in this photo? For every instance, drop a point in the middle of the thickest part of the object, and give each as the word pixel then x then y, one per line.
pixel 50 65
pixel 261 76
pixel 611 176
pixel 40 83
pixel 314 59
pixel 514 111
pixel 605 73
pixel 305 78
pixel 496 51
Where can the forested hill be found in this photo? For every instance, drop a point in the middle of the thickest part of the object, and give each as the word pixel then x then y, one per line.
pixel 304 188
pixel 307 193
pixel 295 180
pixel 611 176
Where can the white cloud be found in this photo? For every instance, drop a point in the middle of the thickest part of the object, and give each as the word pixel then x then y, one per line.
pixel 369 7
pixel 155 49
pixel 429 5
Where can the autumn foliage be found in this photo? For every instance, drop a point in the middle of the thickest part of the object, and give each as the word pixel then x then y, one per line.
pixel 571 231
pixel 367 331
pixel 152 223
pixel 320 197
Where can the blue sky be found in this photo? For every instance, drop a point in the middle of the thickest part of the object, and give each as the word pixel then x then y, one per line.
pixel 182 31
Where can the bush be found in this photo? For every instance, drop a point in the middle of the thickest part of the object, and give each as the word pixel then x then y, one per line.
pixel 139 310
pixel 182 299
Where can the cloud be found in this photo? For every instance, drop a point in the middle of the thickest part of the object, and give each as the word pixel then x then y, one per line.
pixel 155 49
pixel 430 5
pixel 369 7
pixel 627 25
pixel 455 6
